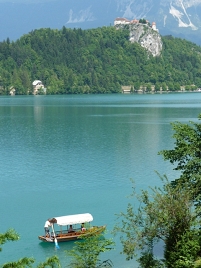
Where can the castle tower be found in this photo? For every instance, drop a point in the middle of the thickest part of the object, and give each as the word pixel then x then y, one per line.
pixel 154 26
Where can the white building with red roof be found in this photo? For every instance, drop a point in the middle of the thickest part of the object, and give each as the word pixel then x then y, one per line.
pixel 124 21
pixel 37 85
pixel 121 21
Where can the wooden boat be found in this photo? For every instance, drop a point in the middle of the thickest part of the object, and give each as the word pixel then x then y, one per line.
pixel 70 228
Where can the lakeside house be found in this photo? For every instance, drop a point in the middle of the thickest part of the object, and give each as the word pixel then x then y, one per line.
pixel 126 89
pixel 12 91
pixel 37 86
pixel 143 88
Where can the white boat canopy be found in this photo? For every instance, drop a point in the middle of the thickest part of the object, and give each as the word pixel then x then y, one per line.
pixel 72 219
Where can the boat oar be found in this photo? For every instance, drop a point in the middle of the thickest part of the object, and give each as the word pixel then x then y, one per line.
pixel 55 239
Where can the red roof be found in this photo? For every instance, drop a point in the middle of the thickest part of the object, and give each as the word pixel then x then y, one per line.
pixel 121 19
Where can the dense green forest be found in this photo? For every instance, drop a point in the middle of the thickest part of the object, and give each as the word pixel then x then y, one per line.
pixel 95 61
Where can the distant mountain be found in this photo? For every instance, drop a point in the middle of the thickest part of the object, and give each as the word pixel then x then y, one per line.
pixel 180 18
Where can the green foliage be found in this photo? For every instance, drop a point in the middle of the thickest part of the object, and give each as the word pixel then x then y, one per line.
pixel 143 21
pixel 165 214
pixel 186 155
pixel 86 252
pixel 22 263
pixel 197 263
pixel 147 260
pixel 52 262
pixel 10 235
pixel 186 250
pixel 94 61
pixel 148 87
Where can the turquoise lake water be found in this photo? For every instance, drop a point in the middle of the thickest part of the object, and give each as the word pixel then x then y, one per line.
pixel 74 154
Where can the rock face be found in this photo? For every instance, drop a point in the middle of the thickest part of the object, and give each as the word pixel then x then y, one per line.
pixel 146 37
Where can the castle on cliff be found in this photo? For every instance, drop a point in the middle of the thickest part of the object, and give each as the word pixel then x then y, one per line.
pixel 124 21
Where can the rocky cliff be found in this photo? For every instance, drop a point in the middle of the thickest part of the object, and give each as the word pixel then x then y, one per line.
pixel 145 36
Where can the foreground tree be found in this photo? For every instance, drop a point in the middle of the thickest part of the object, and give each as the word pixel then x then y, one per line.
pixel 22 263
pixel 52 262
pixel 186 155
pixel 87 251
pixel 11 235
pixel 166 215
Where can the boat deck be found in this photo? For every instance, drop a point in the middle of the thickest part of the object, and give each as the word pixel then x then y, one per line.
pixel 68 236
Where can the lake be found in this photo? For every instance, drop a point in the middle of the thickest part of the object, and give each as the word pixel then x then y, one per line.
pixel 74 154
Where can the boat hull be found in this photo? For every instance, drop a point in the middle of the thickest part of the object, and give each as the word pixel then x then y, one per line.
pixel 64 237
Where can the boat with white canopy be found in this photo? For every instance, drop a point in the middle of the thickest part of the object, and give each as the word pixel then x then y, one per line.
pixel 70 227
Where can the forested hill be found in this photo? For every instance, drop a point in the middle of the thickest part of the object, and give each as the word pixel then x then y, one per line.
pixel 95 61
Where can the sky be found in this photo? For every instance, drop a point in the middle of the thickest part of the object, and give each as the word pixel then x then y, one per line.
pixel 19 17
pixel 25 1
